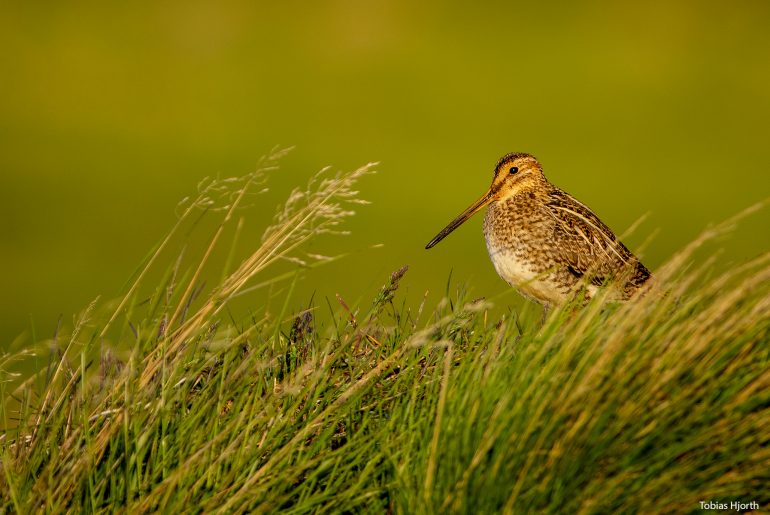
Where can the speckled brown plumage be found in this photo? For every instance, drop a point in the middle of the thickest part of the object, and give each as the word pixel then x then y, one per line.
pixel 546 243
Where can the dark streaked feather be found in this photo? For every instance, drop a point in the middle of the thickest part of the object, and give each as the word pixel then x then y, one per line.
pixel 586 245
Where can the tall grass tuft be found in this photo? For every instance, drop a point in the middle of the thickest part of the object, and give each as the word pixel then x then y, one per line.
pixel 168 404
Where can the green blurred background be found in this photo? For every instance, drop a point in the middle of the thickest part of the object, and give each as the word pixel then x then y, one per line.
pixel 111 112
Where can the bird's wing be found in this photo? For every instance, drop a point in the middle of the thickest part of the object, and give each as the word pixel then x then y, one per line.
pixel 587 246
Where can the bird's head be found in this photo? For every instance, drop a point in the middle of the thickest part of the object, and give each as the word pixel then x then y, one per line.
pixel 515 173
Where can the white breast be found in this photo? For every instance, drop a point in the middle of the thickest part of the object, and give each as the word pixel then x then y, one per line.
pixel 513 271
pixel 539 287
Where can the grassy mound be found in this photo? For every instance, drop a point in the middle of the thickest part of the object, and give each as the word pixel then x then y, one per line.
pixel 652 405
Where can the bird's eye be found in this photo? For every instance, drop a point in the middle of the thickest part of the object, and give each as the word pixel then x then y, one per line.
pixel 513 170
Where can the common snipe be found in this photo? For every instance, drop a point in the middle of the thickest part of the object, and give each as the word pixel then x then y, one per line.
pixel 544 242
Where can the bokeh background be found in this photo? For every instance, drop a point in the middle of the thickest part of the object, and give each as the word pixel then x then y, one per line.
pixel 111 112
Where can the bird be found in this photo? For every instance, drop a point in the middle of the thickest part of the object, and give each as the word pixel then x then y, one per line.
pixel 547 244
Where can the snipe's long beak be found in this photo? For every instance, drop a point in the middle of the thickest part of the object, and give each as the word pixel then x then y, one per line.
pixel 457 222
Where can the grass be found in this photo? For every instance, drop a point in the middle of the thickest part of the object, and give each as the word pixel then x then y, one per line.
pixel 162 402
